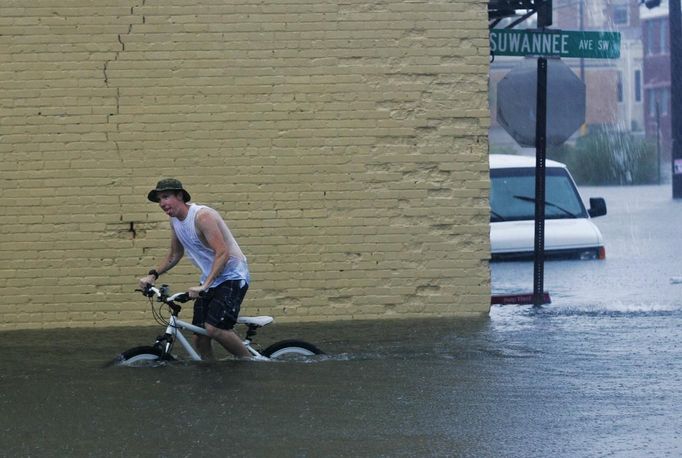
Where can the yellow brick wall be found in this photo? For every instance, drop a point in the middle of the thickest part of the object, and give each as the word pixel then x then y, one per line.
pixel 344 141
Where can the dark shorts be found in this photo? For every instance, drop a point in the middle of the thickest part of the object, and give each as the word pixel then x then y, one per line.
pixel 220 305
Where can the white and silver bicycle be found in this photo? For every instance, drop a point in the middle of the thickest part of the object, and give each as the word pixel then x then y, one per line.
pixel 162 348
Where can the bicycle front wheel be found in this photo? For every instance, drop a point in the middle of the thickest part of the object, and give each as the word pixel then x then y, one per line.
pixel 140 356
pixel 291 349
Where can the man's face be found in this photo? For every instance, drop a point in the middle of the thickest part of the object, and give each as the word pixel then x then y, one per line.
pixel 171 202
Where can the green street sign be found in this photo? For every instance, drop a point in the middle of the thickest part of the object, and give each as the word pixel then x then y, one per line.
pixel 555 43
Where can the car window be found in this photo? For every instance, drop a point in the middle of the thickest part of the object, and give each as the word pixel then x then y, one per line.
pixel 512 195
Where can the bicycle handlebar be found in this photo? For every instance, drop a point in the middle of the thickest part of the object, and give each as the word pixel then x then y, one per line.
pixel 162 296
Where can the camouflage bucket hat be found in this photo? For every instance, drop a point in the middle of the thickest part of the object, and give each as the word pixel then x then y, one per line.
pixel 167 184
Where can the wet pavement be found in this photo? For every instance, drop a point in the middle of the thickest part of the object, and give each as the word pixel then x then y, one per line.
pixel 596 373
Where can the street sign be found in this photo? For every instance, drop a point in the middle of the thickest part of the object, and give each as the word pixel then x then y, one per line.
pixel 555 43
pixel 517 101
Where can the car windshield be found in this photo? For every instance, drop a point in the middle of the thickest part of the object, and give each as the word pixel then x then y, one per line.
pixel 512 195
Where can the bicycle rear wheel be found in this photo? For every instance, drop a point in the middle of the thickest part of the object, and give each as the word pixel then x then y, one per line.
pixel 141 356
pixel 291 349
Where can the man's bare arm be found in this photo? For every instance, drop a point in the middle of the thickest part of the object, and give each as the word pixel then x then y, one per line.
pixel 174 256
pixel 209 227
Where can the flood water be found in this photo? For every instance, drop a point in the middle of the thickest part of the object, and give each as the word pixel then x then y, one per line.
pixel 596 373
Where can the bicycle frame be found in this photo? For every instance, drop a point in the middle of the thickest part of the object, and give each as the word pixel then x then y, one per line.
pixel 175 325
pixel 172 330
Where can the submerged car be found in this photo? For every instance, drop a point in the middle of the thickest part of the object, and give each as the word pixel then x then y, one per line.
pixel 569 230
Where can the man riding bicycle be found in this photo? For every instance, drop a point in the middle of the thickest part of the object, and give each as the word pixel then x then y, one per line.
pixel 201 233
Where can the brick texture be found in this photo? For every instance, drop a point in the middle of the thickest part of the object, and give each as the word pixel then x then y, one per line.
pixel 344 141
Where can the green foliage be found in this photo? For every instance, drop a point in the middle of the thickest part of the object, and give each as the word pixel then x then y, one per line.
pixel 608 158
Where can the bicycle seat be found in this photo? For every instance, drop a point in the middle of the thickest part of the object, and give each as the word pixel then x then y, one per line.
pixel 259 321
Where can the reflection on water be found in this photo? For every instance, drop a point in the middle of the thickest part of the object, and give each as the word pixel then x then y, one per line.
pixel 521 382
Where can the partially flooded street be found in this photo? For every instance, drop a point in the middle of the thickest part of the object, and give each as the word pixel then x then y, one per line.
pixel 594 374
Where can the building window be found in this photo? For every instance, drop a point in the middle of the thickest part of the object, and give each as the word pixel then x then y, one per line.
pixel 650 34
pixel 664 101
pixel 651 97
pixel 638 85
pixel 663 36
pixel 656 37
pixel 595 10
pixel 619 87
pixel 660 96
pixel 620 15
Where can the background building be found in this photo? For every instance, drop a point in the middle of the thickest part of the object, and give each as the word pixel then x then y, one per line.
pixel 656 74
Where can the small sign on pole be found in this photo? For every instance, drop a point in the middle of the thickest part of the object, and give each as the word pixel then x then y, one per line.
pixel 677 166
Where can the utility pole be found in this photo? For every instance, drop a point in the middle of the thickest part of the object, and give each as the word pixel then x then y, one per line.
pixel 658 142
pixel 675 18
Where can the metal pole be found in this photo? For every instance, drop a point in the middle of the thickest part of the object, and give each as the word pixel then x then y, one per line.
pixel 581 12
pixel 658 140
pixel 540 158
pixel 675 18
pixel 544 12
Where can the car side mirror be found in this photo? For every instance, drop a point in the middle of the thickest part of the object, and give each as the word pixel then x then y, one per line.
pixel 597 207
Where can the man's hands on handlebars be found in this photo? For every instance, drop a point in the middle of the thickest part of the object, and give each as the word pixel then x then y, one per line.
pixel 163 295
pixel 196 291
pixel 147 281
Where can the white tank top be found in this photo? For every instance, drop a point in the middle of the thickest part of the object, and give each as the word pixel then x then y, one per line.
pixel 202 256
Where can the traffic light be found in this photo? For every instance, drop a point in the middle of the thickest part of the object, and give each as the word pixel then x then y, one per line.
pixel 651 3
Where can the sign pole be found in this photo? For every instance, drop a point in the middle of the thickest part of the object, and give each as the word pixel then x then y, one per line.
pixel 675 20
pixel 540 158
pixel 544 20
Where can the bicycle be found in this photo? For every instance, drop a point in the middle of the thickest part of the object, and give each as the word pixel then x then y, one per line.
pixel 161 350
